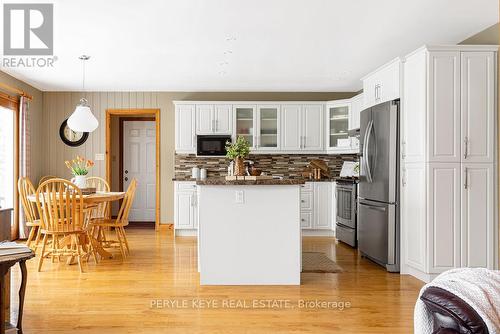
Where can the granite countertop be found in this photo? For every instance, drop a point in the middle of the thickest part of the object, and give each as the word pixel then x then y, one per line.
pixel 220 181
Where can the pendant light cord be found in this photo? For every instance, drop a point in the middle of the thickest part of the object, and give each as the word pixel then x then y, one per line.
pixel 83 75
pixel 83 58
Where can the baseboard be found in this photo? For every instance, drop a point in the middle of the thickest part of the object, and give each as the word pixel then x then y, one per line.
pixel 318 233
pixel 166 227
pixel 420 275
pixel 148 225
pixel 186 233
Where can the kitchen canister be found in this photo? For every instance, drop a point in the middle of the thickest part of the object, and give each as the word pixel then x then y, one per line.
pixel 195 173
pixel 203 174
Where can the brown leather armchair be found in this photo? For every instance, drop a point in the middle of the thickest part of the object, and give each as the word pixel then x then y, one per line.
pixel 451 314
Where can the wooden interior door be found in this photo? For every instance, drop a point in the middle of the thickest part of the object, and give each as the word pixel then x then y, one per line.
pixel 139 161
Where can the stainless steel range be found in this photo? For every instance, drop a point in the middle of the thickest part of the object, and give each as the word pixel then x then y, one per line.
pixel 346 220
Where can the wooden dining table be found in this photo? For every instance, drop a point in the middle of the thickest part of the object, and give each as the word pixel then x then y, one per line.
pixel 89 201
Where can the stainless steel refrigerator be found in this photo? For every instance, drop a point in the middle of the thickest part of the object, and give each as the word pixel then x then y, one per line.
pixel 378 198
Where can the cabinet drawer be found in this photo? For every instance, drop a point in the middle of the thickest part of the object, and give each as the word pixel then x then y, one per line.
pixel 306 201
pixel 306 219
pixel 308 186
pixel 185 186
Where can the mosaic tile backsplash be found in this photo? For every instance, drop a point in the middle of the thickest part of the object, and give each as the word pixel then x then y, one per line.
pixel 290 166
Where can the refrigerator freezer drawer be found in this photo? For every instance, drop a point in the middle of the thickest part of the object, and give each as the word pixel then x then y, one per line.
pixel 377 232
pixel 346 235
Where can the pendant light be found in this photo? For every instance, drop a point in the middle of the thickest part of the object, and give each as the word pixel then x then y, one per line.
pixel 82 119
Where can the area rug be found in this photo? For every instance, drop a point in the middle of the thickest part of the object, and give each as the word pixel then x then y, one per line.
pixel 315 262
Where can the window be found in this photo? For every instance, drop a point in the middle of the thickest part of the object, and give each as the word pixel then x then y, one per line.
pixel 6 158
pixel 9 112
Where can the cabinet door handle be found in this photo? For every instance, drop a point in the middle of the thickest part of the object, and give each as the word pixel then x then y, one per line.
pixel 304 140
pixel 404 177
pixel 403 150
pixel 216 125
pixel 303 201
pixel 465 178
pixel 466 146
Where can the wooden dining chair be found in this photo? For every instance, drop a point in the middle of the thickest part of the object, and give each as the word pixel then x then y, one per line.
pixel 45 178
pixel 120 222
pixel 101 210
pixel 25 189
pixel 60 207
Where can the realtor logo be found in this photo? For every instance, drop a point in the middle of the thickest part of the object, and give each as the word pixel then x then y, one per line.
pixel 28 29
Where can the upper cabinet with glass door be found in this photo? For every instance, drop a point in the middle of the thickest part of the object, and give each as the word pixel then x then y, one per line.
pixel 338 113
pixel 245 120
pixel 268 127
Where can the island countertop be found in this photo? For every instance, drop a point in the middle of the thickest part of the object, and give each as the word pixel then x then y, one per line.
pixel 220 181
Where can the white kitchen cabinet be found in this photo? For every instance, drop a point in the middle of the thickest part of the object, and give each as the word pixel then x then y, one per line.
pixel 357 107
pixel 223 116
pixel 302 127
pixel 268 127
pixel 245 120
pixel 260 125
pixel 443 106
pixel 317 209
pixel 478 211
pixel 449 105
pixel 185 208
pixel 312 119
pixel 448 131
pixel 322 206
pixel 185 126
pixel 213 119
pixel 337 126
pixel 204 119
pixel 478 70
pixel 443 216
pixel 291 127
pixel 383 84
pixel 306 219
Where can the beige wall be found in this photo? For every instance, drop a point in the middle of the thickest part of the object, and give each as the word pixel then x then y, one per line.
pixel 488 36
pixel 59 105
pixel 35 122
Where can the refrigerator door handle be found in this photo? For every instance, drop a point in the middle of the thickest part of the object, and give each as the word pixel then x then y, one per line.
pixel 372 207
pixel 367 159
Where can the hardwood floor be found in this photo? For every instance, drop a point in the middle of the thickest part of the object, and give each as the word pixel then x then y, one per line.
pixel 116 297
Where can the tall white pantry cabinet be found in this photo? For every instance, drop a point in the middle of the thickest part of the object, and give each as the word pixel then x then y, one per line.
pixel 448 195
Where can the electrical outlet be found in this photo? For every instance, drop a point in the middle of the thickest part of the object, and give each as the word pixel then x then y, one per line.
pixel 240 197
pixel 99 156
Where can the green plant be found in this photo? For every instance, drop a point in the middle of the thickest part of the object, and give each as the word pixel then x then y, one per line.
pixel 239 149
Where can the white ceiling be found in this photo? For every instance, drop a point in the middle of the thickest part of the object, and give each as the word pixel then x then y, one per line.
pixel 243 45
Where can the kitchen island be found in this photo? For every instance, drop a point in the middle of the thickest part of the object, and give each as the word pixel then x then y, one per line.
pixel 249 232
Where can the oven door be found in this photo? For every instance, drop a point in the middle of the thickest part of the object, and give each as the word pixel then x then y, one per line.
pixel 346 205
pixel 211 145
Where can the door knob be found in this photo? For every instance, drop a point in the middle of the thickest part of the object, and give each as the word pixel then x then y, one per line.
pixel 126 171
pixel 126 178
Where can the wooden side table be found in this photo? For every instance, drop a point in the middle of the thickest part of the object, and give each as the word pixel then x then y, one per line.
pixel 6 262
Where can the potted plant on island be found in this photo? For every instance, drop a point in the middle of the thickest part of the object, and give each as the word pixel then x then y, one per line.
pixel 79 168
pixel 238 151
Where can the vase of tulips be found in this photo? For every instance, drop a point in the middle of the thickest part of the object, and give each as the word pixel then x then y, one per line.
pixel 79 167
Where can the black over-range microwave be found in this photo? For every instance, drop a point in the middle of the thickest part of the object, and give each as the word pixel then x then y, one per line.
pixel 211 145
